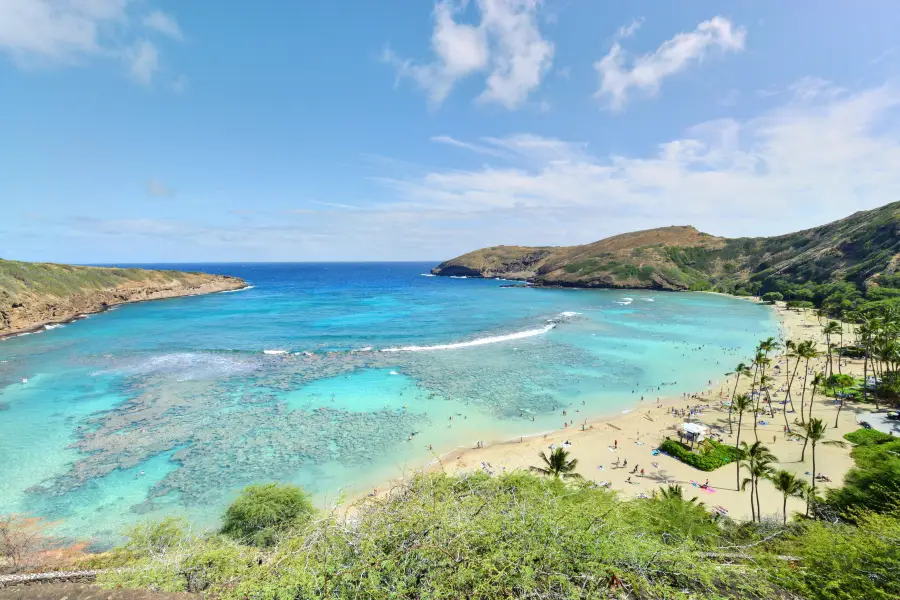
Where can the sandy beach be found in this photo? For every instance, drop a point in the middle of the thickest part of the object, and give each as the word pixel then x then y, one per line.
pixel 600 444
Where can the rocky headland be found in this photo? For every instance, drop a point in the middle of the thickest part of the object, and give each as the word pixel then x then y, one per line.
pixel 860 249
pixel 34 295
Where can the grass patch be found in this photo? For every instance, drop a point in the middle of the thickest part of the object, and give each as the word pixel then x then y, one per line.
pixel 710 457
pixel 868 437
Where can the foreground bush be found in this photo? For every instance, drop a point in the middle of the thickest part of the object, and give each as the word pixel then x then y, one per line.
pixel 523 536
pixel 517 535
pixel 874 482
pixel 709 457
pixel 262 512
pixel 844 562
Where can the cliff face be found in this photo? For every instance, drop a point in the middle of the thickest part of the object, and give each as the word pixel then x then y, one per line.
pixel 857 248
pixel 36 294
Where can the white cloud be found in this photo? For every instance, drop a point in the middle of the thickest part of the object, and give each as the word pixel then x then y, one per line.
pixel 144 62
pixel 63 31
pixel 74 32
pixel 808 162
pixel 163 23
pixel 506 44
pixel 477 148
pixel 673 56
pixel 626 31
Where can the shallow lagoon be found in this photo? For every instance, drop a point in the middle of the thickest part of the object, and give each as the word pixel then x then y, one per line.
pixel 169 407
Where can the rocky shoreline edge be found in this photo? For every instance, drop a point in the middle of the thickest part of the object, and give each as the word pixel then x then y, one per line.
pixel 118 297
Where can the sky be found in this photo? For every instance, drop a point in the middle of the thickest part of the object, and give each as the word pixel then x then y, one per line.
pixel 177 131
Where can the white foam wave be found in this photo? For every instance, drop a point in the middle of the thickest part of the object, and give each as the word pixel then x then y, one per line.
pixel 243 289
pixel 426 274
pixel 476 342
pixel 459 277
pixel 646 299
pixel 53 326
pixel 623 302
pixel 629 299
pixel 562 317
pixel 23 333
pixel 275 351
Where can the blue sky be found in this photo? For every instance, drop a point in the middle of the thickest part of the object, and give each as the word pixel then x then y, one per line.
pixel 164 130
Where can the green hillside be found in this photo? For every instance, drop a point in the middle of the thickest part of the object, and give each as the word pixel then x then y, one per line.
pixel 861 250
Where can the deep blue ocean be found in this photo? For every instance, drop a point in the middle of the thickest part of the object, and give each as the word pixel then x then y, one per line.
pixel 333 376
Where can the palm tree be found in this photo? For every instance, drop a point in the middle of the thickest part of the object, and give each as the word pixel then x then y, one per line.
pixel 805 350
pixel 790 351
pixel 741 404
pixel 768 345
pixel 832 328
pixel 789 485
pixel 757 460
pixel 674 492
pixel 840 381
pixel 763 382
pixel 740 369
pixel 818 381
pixel 558 464
pixel 814 434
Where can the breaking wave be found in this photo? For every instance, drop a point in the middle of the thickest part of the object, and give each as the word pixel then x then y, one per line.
pixel 562 317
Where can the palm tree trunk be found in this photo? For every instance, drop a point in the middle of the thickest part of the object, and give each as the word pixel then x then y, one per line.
pixel 791 384
pixel 814 468
pixel 787 426
pixel 758 511
pixel 752 505
pixel 812 397
pixel 840 408
pixel 784 509
pixel 803 395
pixel 731 406
pixel 842 345
pixel 866 377
pixel 740 420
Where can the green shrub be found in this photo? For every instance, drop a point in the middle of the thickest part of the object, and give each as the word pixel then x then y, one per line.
pixel 517 535
pixel 772 297
pixel 868 437
pixel 841 561
pixel 262 512
pixel 798 304
pixel 710 457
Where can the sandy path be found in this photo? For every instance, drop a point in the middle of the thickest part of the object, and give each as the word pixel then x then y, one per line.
pixel 637 433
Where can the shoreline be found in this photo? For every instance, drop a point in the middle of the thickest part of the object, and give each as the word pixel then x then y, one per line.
pixel 638 430
pixel 226 282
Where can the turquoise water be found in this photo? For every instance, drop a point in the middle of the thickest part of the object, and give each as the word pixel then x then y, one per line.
pixel 319 375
